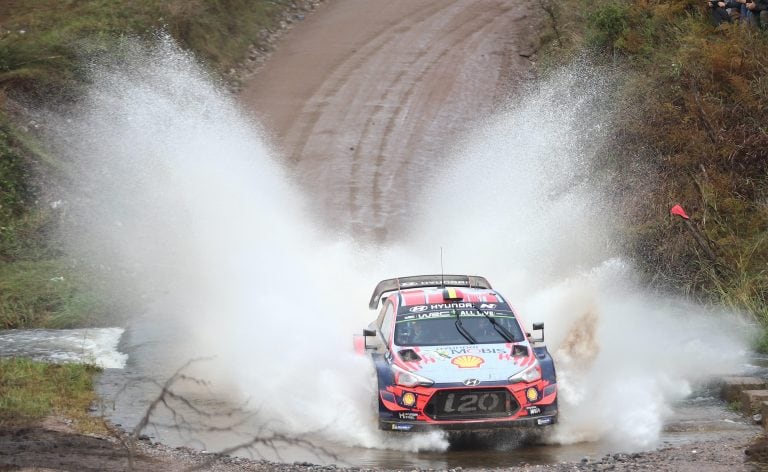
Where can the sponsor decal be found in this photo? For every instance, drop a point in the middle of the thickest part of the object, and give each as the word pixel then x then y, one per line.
pixel 428 360
pixel 487 306
pixel 402 427
pixel 418 308
pixel 458 350
pixel 462 313
pixel 545 420
pixel 471 382
pixel 436 282
pixel 443 353
pixel 533 410
pixel 407 415
pixel 467 361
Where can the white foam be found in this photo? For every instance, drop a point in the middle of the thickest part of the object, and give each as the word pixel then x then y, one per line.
pixel 95 346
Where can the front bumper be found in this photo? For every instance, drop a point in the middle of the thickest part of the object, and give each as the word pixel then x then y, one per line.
pixel 487 425
pixel 433 410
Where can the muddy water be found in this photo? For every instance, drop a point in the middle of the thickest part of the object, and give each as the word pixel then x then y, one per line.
pixel 151 346
pixel 149 343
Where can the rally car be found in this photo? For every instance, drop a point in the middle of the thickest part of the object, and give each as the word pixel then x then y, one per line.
pixel 451 354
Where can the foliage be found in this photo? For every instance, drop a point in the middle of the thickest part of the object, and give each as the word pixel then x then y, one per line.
pixel 693 119
pixel 32 390
pixel 44 44
pixel 45 49
pixel 53 293
pixel 607 24
pixel 15 189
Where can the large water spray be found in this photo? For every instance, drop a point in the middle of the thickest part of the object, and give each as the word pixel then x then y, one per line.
pixel 180 191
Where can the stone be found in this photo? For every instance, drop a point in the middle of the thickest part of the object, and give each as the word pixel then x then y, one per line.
pixel 764 412
pixel 751 400
pixel 731 389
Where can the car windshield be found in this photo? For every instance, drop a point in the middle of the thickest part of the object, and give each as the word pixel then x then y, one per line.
pixel 442 330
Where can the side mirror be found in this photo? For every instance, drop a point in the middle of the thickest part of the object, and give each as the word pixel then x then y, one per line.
pixel 366 334
pixel 538 327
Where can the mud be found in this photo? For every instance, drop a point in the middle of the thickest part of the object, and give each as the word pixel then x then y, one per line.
pixel 54 446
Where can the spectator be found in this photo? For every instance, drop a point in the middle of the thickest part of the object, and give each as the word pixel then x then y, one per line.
pixel 720 10
pixel 759 10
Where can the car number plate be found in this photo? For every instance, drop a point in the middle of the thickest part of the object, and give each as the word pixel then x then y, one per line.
pixel 473 404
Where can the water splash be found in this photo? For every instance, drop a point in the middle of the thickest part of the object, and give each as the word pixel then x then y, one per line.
pixel 521 203
pixel 95 346
pixel 180 191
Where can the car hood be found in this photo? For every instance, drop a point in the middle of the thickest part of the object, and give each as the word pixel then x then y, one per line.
pixel 484 362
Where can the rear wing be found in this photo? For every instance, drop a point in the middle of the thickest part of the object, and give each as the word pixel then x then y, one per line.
pixel 417 281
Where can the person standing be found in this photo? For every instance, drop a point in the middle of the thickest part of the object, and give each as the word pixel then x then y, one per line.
pixel 759 10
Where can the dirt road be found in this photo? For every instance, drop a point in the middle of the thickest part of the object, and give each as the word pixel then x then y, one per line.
pixel 365 96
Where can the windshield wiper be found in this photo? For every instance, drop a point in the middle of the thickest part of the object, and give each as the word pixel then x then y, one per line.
pixel 462 330
pixel 504 332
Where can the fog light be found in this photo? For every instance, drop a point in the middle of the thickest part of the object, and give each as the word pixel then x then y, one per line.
pixel 532 394
pixel 409 399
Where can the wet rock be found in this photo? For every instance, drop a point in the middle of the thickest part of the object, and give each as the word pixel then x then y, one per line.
pixel 621 457
pixel 731 389
pixel 764 414
pixel 751 400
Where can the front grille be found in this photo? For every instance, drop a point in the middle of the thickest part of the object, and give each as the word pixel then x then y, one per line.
pixel 467 404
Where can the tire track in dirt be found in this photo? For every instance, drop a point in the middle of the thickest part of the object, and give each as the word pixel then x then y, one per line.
pixel 341 75
pixel 400 90
pixel 366 96
pixel 441 68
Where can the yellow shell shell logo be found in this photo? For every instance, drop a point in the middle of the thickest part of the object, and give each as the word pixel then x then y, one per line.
pixel 467 362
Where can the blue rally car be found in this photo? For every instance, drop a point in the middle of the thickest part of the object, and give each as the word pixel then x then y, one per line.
pixel 450 353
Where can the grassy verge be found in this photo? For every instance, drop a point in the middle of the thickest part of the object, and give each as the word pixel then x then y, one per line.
pixel 693 117
pixel 31 391
pixel 45 41
pixel 53 293
pixel 44 46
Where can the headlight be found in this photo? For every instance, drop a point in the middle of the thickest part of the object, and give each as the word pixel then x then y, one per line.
pixel 530 374
pixel 409 379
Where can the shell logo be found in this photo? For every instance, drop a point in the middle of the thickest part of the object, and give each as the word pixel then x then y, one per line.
pixel 467 362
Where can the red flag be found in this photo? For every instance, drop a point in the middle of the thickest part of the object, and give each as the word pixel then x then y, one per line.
pixel 678 210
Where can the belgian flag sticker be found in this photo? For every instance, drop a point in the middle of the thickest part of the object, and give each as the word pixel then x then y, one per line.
pixel 452 294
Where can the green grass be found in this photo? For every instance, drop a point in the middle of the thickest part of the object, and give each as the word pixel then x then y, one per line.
pixel 53 293
pixel 30 391
pixel 45 42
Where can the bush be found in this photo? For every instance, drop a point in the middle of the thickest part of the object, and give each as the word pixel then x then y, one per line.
pixel 607 24
pixel 694 111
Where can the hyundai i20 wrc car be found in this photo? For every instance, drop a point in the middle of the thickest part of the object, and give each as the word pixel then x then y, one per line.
pixel 451 354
